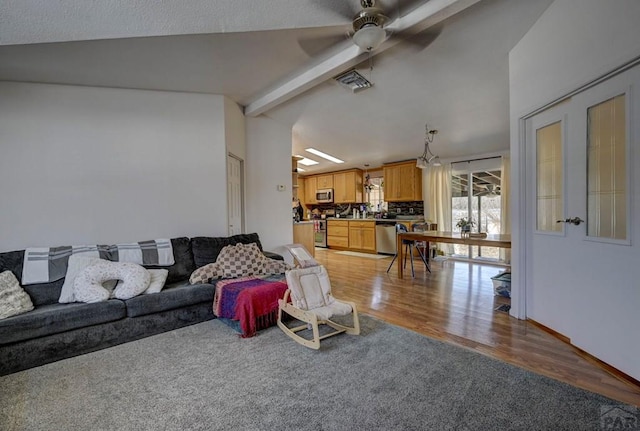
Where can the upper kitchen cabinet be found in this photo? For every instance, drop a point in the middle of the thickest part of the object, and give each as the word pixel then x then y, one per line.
pixel 347 186
pixel 324 181
pixel 402 182
pixel 310 187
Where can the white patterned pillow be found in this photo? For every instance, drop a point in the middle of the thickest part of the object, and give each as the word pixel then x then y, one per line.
pixel 273 266
pixel 206 273
pixel 87 286
pixel 13 299
pixel 158 278
pixel 241 260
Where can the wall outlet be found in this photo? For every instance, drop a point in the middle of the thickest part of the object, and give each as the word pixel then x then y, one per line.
pixel 410 210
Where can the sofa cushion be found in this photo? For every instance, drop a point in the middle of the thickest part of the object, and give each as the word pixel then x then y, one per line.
pixel 206 249
pixel 40 294
pixel 184 266
pixel 172 296
pixel 55 318
pixel 13 299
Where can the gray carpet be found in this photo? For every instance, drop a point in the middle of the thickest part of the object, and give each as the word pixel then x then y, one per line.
pixel 204 377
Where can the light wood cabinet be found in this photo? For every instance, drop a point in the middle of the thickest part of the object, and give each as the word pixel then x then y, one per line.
pixel 338 233
pixel 362 235
pixel 303 234
pixel 301 193
pixel 310 187
pixel 402 182
pixel 347 187
pixel 324 181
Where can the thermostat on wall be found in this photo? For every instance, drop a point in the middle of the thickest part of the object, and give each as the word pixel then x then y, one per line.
pixel 281 187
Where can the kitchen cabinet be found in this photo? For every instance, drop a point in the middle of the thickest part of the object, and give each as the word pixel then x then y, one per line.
pixel 300 194
pixel 347 186
pixel 303 234
pixel 310 187
pixel 402 182
pixel 362 235
pixel 324 181
pixel 338 233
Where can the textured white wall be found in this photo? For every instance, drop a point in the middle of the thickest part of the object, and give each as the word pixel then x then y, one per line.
pixel 269 164
pixel 86 165
pixel 573 43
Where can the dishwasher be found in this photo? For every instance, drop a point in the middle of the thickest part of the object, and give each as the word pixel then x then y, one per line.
pixel 385 237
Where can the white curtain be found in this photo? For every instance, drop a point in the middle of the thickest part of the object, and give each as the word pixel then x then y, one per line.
pixel 505 210
pixel 440 200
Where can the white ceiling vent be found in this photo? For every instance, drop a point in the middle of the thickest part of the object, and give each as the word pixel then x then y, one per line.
pixel 352 80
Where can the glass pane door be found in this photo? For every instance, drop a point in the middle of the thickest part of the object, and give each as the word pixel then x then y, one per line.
pixel 476 196
pixel 607 170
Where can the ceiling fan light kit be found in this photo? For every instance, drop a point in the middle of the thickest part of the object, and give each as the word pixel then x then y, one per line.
pixel 369 37
pixel 367 25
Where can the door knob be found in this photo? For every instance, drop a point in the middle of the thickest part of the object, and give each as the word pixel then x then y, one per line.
pixel 575 220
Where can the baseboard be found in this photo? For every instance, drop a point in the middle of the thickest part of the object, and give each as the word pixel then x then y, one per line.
pixel 588 356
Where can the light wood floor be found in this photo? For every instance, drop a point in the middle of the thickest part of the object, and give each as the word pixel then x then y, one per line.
pixel 456 304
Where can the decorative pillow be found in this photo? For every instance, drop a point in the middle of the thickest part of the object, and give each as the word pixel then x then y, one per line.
pixel 241 260
pixel 207 249
pixel 87 286
pixel 206 273
pixel 273 266
pixel 13 299
pixel 158 278
pixel 77 263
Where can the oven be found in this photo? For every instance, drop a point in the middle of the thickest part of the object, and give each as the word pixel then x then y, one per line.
pixel 320 233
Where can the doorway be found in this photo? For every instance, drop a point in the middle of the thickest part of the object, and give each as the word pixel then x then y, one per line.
pixel 235 194
pixel 582 253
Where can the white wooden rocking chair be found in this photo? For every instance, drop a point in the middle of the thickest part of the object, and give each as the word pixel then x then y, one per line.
pixel 312 303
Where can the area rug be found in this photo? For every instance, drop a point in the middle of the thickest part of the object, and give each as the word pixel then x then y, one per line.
pixel 205 377
pixel 366 255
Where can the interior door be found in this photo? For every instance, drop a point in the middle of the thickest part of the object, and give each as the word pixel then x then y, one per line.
pixel 234 195
pixel 583 258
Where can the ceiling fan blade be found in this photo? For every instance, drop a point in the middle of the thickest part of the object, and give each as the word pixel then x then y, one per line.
pixel 418 41
pixel 314 46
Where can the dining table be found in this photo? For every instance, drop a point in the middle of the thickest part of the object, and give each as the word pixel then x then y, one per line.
pixel 490 240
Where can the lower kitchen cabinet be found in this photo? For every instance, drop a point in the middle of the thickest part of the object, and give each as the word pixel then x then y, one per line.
pixel 338 233
pixel 362 235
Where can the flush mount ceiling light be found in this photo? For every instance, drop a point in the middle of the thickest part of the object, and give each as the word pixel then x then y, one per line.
pixel 307 162
pixel 324 155
pixel 427 157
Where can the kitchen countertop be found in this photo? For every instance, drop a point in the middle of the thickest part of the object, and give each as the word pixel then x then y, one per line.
pixel 303 222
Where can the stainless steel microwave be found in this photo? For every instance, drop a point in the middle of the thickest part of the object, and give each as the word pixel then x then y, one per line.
pixel 324 196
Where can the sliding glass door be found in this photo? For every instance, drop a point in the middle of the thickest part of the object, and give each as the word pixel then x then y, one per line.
pixel 476 196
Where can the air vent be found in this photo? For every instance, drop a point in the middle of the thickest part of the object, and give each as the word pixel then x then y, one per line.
pixel 352 80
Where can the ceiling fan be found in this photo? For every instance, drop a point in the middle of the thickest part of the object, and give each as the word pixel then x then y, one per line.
pixel 369 26
pixel 491 190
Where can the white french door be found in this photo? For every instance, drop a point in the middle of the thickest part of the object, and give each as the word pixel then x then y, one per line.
pixel 583 258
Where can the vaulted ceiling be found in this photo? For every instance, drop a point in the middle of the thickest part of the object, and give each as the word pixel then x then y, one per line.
pixel 277 57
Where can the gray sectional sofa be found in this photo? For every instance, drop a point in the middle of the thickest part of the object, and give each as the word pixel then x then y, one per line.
pixel 54 331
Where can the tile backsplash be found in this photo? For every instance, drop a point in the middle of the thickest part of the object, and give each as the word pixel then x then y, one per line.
pixel 415 207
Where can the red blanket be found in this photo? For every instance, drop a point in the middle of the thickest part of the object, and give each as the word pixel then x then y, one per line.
pixel 253 301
